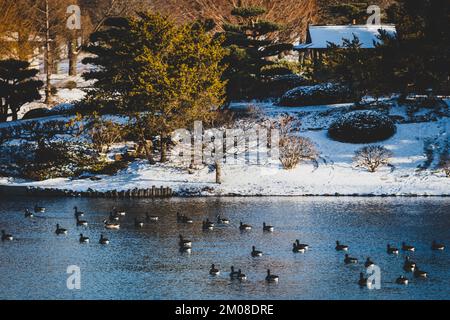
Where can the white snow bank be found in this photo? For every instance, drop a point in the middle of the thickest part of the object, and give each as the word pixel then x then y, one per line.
pixel 335 174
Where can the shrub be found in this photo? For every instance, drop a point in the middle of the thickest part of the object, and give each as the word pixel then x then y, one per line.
pixel 70 85
pixel 36 113
pixel 444 161
pixel 362 127
pixel 104 134
pixel 294 150
pixel 277 85
pixel 372 157
pixel 109 168
pixel 324 93
pixel 53 90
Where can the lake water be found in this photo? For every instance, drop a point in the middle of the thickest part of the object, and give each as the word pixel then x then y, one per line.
pixel 146 263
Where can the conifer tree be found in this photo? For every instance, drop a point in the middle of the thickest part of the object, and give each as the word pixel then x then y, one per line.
pixel 249 49
pixel 17 87
pixel 164 76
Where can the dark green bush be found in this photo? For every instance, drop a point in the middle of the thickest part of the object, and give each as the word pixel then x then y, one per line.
pixel 363 126
pixel 320 94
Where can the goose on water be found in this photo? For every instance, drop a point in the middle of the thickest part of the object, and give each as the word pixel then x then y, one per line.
pixel 117 212
pixel 402 280
pixel 256 253
pixel 38 209
pixel 296 248
pixel 437 246
pixel 391 250
pixel 406 247
pixel 111 225
pixel 149 218
pixel 28 214
pixel 78 213
pixel 103 240
pixel 214 271
pixel 6 237
pixel 341 247
pixel 271 277
pixel 241 276
pixel 221 220
pixel 267 228
pixel 138 223
pixel 419 273
pixel 409 265
pixel 243 226
pixel 207 225
pixel 349 260
pixel 304 245
pixel 81 222
pixel 60 230
pixel 184 243
pixel 83 239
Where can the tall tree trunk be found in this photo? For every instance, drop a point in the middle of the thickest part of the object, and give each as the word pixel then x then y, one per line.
pixel 218 167
pixel 14 113
pixel 3 111
pixel 148 151
pixel 163 146
pixel 47 60
pixel 73 56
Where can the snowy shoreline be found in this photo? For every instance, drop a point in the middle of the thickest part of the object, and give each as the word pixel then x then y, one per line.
pixel 411 174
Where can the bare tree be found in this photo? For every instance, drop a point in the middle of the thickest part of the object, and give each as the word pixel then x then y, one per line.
pixel 294 150
pixel 372 157
pixel 293 14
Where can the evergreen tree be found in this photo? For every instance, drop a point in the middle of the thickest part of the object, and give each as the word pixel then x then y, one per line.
pixel 423 45
pixel 178 79
pixel 250 50
pixel 17 86
pixel 113 52
pixel 347 13
pixel 163 75
pixel 362 70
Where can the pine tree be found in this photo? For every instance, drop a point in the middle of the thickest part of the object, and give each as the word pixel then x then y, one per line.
pixel 163 75
pixel 347 13
pixel 17 87
pixel 178 79
pixel 113 52
pixel 351 65
pixel 423 44
pixel 249 51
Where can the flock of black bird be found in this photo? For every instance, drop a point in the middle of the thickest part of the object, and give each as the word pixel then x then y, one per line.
pixel 297 247
pixel 185 245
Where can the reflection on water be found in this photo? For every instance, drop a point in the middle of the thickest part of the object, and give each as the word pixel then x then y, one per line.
pixel 146 264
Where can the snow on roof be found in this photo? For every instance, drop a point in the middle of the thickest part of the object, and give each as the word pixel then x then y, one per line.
pixel 320 36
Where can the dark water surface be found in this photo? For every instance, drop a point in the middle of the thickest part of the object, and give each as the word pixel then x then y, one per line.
pixel 146 264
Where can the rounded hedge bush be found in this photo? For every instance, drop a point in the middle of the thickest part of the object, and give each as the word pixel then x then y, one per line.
pixel 36 113
pixel 319 94
pixel 362 126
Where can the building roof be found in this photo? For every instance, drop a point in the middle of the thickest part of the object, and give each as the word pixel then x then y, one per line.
pixel 320 36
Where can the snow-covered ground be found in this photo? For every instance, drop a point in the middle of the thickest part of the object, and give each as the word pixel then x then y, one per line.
pixel 59 81
pixel 334 175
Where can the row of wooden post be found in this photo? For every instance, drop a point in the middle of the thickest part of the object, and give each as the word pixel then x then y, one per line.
pixel 153 192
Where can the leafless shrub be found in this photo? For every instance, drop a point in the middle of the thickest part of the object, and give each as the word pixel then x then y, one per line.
pixel 444 161
pixel 104 134
pixel 445 166
pixel 294 150
pixel 372 157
